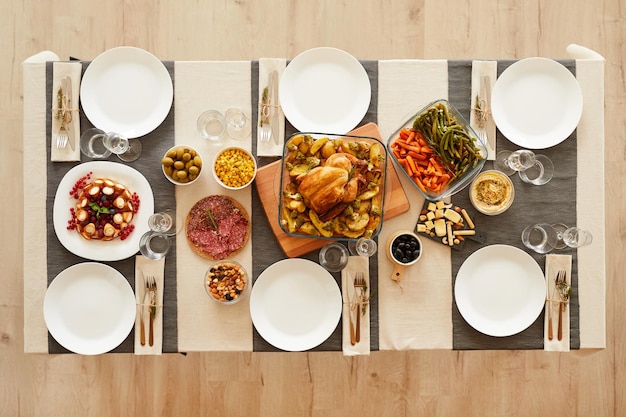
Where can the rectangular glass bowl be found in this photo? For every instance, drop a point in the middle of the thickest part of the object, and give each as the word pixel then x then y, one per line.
pixel 351 201
pixel 456 150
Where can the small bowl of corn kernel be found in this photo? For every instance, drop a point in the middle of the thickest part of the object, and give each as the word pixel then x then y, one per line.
pixel 234 168
pixel 226 282
pixel 181 165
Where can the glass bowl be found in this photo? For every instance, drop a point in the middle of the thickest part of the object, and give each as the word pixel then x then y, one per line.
pixel 227 282
pixel 182 158
pixel 332 186
pixel 442 171
pixel 234 168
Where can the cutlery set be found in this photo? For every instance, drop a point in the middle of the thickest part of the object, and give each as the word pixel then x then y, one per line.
pixel 268 123
pixel 563 291
pixel 149 302
pixel 64 114
pixel 359 304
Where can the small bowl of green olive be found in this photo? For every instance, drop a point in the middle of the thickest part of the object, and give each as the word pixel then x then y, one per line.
pixel 181 165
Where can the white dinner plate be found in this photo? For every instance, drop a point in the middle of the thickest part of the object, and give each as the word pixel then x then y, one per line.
pixel 536 103
pixel 126 90
pixel 324 90
pixel 295 304
pixel 500 290
pixel 89 308
pixel 99 250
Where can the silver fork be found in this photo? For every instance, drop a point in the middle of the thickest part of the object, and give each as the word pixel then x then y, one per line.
pixel 151 287
pixel 62 136
pixel 265 133
pixel 359 286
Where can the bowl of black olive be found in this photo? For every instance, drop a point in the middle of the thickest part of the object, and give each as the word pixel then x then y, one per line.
pixel 404 248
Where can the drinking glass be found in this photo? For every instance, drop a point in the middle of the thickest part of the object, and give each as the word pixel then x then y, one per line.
pixel 540 172
pixel 363 247
pixel 211 125
pixel 164 222
pixel 334 256
pixel 541 237
pixel 237 124
pixel 125 149
pixel 92 144
pixel 511 162
pixel 154 245
pixel 576 238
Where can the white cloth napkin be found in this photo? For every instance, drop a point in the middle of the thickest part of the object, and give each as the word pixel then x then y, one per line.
pixel 355 264
pixel 479 70
pixel 554 264
pixel 59 71
pixel 143 268
pixel 266 66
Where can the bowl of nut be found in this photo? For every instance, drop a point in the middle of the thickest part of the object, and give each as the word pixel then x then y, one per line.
pixel 332 186
pixel 227 282
pixel 181 165
pixel 234 168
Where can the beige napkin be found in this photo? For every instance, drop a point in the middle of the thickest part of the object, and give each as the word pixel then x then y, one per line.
pixel 143 268
pixel 479 70
pixel 355 264
pixel 554 264
pixel 266 66
pixel 59 71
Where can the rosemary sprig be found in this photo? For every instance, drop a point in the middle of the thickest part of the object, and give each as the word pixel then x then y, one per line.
pixel 211 218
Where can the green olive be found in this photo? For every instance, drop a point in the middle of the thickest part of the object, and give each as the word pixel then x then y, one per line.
pixel 179 165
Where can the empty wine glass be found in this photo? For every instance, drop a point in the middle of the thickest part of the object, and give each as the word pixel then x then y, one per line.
pixel 121 146
pixel 237 124
pixel 541 237
pixel 575 237
pixel 164 222
pixel 362 247
pixel 511 162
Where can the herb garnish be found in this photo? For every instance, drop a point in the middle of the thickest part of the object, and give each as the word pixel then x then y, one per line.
pixel 211 218
pixel 99 210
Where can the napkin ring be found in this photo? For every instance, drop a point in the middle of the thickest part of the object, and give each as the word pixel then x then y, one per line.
pixel 479 111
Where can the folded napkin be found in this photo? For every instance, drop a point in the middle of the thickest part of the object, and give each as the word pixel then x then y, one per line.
pixel 554 264
pixel 580 52
pixel 143 268
pixel 481 69
pixel 266 66
pixel 59 71
pixel 355 264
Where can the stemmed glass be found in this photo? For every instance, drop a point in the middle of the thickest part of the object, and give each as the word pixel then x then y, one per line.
pixel 531 168
pixel 543 237
pixel 362 247
pixel 165 222
pixel 237 124
pixel 511 162
pixel 97 144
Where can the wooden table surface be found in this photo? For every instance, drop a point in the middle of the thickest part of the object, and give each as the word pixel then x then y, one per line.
pixel 485 383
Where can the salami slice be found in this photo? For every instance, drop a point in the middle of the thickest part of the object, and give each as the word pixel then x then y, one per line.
pixel 217 227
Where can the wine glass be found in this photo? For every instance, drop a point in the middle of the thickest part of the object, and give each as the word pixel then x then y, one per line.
pixel 164 222
pixel 362 247
pixel 121 146
pixel 575 237
pixel 540 172
pixel 541 237
pixel 237 124
pixel 511 162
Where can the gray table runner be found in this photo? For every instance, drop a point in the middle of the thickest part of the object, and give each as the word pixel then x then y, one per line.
pixel 533 204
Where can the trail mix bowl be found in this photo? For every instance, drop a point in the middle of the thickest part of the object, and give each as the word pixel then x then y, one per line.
pixel 227 282
pixel 437 150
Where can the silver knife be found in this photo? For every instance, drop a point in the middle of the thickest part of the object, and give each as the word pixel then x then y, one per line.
pixel 273 101
pixel 67 90
pixel 491 139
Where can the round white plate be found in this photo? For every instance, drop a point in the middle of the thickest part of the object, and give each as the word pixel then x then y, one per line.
pixel 295 304
pixel 126 90
pixel 500 290
pixel 99 250
pixel 536 103
pixel 324 90
pixel 89 308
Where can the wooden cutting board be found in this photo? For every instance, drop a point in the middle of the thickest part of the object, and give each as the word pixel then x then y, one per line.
pixel 267 182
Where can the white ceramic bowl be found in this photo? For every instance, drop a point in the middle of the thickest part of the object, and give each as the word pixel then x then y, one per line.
pixel 236 169
pixel 180 151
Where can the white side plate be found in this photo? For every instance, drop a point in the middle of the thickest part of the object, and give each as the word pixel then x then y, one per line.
pixel 536 103
pixel 126 90
pixel 500 290
pixel 295 304
pixel 89 308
